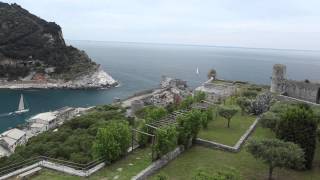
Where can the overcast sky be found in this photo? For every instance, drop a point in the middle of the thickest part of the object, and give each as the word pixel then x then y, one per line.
pixel 285 24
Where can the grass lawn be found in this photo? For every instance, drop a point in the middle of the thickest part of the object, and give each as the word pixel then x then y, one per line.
pixel 217 129
pixel 124 169
pixel 185 166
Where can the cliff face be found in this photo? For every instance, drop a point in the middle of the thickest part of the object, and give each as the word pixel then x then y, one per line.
pixel 30 45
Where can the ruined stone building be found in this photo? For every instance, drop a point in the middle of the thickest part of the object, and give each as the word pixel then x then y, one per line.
pixel 304 90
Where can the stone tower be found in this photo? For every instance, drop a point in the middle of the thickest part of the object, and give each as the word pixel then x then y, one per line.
pixel 278 78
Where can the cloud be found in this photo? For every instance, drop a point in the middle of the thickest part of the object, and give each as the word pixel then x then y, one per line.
pixel 290 23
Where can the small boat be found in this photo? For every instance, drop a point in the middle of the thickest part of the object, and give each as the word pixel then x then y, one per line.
pixel 21 108
pixel 197 71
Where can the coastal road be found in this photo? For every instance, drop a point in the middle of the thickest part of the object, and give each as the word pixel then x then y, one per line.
pixel 127 103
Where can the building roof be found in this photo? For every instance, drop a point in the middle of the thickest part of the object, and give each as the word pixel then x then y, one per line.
pixel 47 116
pixel 37 125
pixel 9 140
pixel 13 133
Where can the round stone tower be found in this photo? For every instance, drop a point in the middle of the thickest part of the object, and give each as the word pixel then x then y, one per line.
pixel 278 78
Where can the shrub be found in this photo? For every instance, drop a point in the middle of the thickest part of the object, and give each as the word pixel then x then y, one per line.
pixel 244 103
pixel 261 104
pixel 226 174
pixel 186 103
pixel 269 120
pixel 298 125
pixel 199 96
pixel 112 141
pixel 249 94
pixel 188 127
pixel 280 107
pixel 204 120
pixel 276 153
pixel 166 140
pixel 161 177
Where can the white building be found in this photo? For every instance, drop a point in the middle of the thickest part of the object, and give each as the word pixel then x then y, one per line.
pixel 10 139
pixel 43 122
pixel 215 91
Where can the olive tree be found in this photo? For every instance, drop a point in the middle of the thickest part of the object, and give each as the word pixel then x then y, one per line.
pixel 227 112
pixel 276 153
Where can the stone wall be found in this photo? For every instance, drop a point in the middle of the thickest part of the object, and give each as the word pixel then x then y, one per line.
pixel 236 147
pixel 155 166
pixel 303 90
pixel 307 91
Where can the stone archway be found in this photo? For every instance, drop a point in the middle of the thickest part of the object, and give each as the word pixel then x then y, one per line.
pixel 318 97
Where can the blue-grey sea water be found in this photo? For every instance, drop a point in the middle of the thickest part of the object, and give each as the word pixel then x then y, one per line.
pixel 139 66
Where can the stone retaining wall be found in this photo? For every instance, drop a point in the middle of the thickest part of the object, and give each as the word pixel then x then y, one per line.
pixel 56 167
pixel 291 99
pixel 155 166
pixel 236 147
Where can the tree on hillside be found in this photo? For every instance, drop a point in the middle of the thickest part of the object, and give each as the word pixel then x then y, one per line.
pixel 261 104
pixel 227 112
pixel 276 153
pixel 112 141
pixel 166 141
pixel 199 96
pixel 188 127
pixel 212 74
pixel 298 125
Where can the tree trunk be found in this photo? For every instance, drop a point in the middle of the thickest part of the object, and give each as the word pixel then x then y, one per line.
pixel 270 173
pixel 228 123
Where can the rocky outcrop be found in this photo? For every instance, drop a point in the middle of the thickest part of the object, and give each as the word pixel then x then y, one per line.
pixel 33 51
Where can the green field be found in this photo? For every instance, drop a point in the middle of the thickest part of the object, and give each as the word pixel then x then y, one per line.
pixel 217 129
pixel 124 169
pixel 185 166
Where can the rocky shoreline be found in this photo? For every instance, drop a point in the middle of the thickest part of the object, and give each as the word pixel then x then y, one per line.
pixel 98 79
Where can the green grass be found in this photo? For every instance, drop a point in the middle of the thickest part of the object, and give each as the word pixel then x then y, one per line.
pixel 217 129
pixel 186 165
pixel 131 165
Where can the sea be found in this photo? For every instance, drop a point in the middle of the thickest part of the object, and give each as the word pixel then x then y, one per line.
pixel 139 66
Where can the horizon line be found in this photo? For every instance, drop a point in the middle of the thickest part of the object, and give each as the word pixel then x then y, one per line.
pixel 198 45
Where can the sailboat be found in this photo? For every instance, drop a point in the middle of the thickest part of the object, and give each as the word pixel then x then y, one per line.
pixel 21 108
pixel 197 71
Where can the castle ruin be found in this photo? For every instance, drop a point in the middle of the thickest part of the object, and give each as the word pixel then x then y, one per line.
pixel 304 90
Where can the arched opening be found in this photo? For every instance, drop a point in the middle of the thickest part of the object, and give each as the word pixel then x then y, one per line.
pixel 318 97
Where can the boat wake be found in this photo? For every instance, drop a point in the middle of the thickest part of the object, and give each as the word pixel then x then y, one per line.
pixel 6 114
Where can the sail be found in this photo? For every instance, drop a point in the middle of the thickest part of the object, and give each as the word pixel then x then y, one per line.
pixel 21 104
pixel 197 70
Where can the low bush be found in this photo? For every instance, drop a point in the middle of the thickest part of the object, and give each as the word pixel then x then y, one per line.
pixel 269 120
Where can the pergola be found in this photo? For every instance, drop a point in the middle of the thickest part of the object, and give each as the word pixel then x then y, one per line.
pixel 168 120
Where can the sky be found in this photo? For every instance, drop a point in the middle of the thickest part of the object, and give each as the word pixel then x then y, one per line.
pixel 279 24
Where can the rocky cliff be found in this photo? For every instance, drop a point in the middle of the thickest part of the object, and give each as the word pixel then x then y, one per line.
pixel 33 50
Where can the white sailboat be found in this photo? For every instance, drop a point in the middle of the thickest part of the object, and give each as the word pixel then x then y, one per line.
pixel 21 108
pixel 197 71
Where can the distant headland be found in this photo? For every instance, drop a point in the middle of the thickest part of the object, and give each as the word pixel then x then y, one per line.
pixel 33 54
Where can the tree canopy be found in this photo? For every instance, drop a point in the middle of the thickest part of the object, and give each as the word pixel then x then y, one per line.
pixel 227 112
pixel 297 124
pixel 276 153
